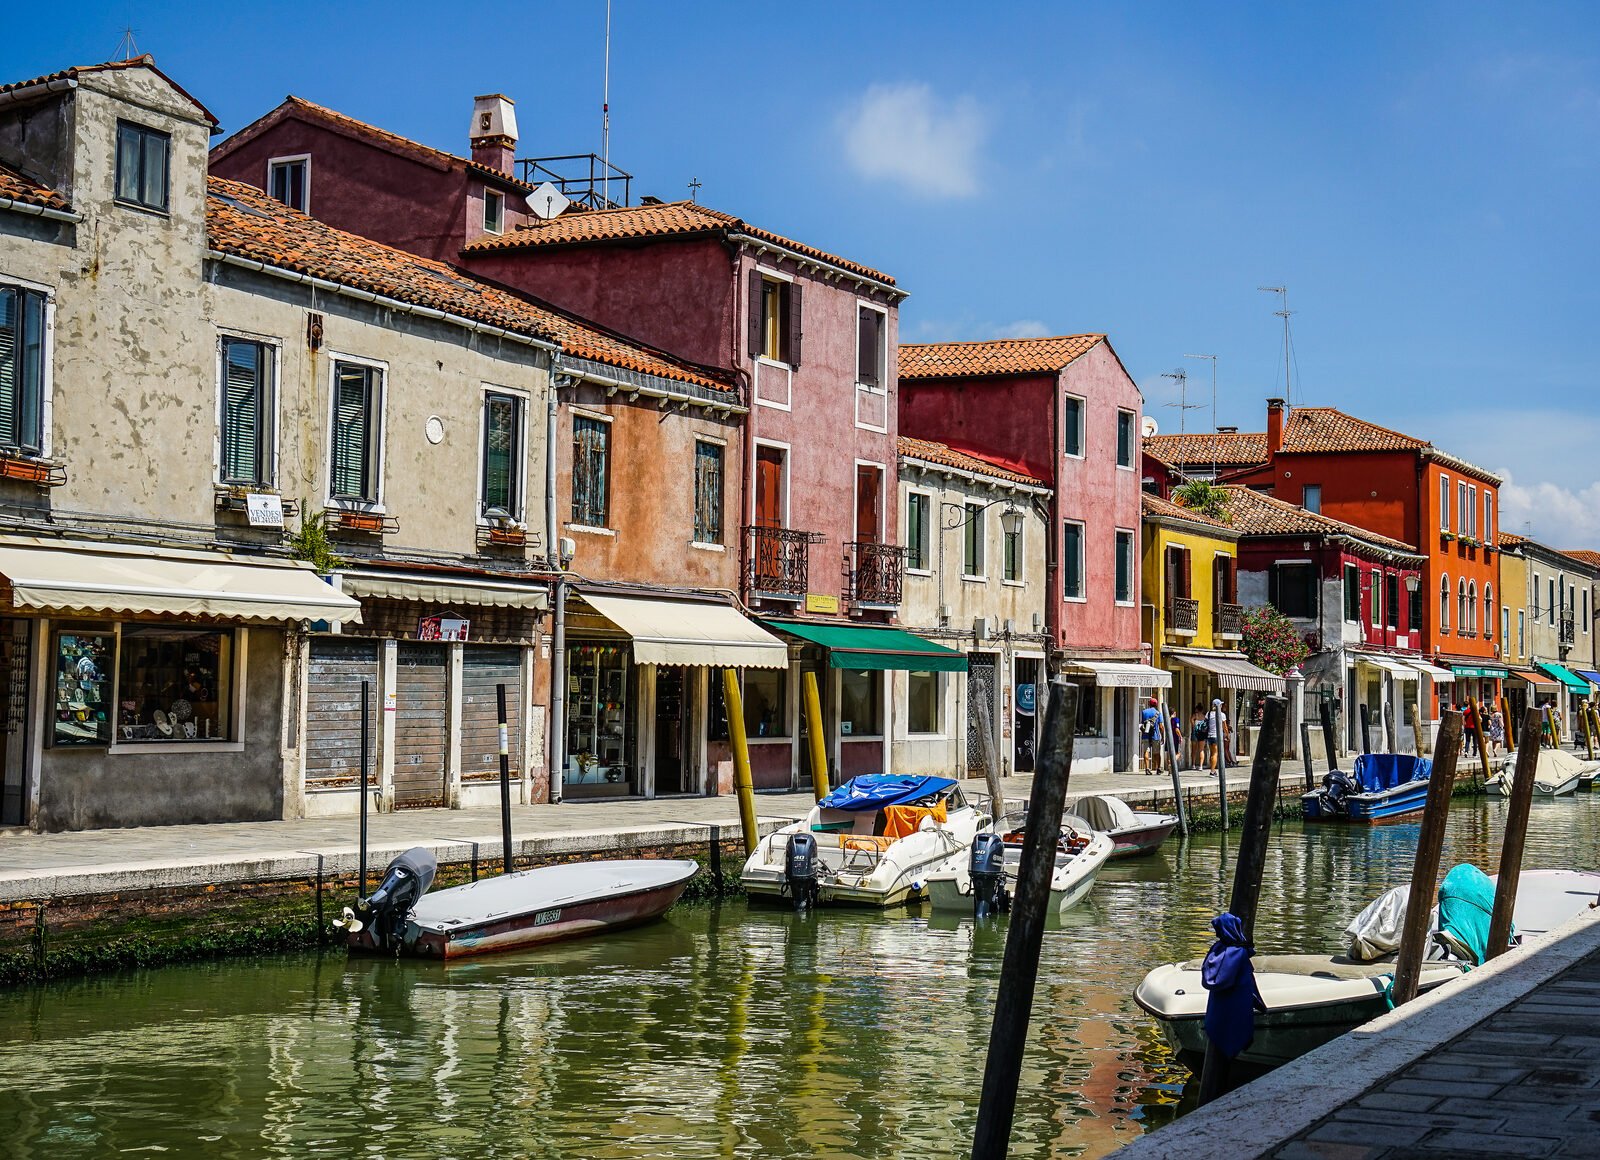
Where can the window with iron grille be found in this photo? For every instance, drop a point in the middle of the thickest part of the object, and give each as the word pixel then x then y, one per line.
pixel 707 493
pixel 502 456
pixel 357 400
pixel 142 166
pixel 591 471
pixel 22 342
pixel 247 412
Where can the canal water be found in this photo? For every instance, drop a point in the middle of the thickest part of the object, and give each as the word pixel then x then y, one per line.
pixel 723 1031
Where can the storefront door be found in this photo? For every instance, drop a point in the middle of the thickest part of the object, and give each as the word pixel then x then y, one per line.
pixel 421 728
pixel 1023 731
pixel 673 769
pixel 980 699
pixel 15 636
pixel 1121 721
pixel 600 722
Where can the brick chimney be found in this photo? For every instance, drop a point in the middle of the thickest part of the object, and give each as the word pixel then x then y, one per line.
pixel 494 132
pixel 1276 410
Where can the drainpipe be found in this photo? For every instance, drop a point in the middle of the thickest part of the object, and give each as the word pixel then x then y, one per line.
pixel 556 733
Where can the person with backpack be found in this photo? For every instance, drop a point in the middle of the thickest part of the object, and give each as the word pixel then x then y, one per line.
pixel 1150 737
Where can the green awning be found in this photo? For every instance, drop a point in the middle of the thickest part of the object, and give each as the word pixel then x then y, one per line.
pixel 1566 676
pixel 1498 671
pixel 862 648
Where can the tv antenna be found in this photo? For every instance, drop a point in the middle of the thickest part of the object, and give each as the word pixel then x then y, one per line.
pixel 127 47
pixel 694 188
pixel 605 118
pixel 1283 312
pixel 1181 377
pixel 1214 470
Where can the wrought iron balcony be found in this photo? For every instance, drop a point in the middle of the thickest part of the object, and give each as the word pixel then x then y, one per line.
pixel 875 571
pixel 1230 620
pixel 777 561
pixel 1183 615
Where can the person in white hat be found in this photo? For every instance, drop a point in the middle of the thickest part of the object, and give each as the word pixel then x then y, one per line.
pixel 1218 731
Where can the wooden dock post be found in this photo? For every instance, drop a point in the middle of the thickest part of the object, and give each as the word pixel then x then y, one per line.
pixel 1505 885
pixel 1388 727
pixel 1252 860
pixel 1172 765
pixel 366 755
pixel 742 786
pixel 1325 714
pixel 991 766
pixel 1477 731
pixel 816 744
pixel 505 780
pixel 1425 870
pixel 1219 724
pixel 1019 971
pixel 1511 726
pixel 1305 752
pixel 1366 728
pixel 1588 729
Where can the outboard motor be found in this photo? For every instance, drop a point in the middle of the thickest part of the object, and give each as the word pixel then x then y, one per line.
pixel 1337 785
pixel 987 866
pixel 800 870
pixel 405 881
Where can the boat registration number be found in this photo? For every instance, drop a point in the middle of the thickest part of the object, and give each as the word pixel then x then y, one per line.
pixel 545 917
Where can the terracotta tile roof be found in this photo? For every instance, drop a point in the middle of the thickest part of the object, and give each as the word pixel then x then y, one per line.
pixel 997 356
pixel 1155 507
pixel 670 219
pixel 16 187
pixel 1226 448
pixel 243 221
pixel 1254 514
pixel 76 71
pixel 1510 540
pixel 941 453
pixel 1587 555
pixel 1329 429
pixel 302 109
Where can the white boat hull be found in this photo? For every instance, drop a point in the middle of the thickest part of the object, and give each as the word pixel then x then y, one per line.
pixel 950 885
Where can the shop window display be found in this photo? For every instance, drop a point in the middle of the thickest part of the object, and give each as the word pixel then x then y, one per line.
pixel 83 688
pixel 860 703
pixel 172 684
pixel 599 724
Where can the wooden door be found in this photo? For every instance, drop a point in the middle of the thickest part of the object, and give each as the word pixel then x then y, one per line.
pixel 333 711
pixel 869 503
pixel 421 728
pixel 769 487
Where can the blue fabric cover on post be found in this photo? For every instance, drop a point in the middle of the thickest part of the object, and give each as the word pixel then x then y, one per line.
pixel 873 791
pixel 1231 980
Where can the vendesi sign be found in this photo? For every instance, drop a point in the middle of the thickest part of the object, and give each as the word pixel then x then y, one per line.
pixel 264 511
pixel 819 602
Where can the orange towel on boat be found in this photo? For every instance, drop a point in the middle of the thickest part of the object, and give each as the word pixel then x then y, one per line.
pixel 875 842
pixel 899 821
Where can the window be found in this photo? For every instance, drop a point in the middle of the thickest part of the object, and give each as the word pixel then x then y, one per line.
pixel 924 699
pixel 173 684
pixel 1444 503
pixel 1292 589
pixel 1463 512
pixel 1177 573
pixel 1224 580
pixel 1012 551
pixel 357 402
pixel 707 492
pixel 1072 561
pixel 142 166
pixel 1352 593
pixel 1444 605
pixel 591 471
pixel 22 369
pixel 1311 497
pixel 502 456
pixel 1124 438
pixel 84 662
pixel 1391 599
pixel 289 180
pixel 1472 607
pixel 774 319
pixel 870 328
pixel 766 702
pixel 1488 516
pixel 1124 573
pixel 1072 435
pixel 1089 722
pixel 1414 608
pixel 1377 598
pixel 1522 630
pixel 494 211
pixel 860 703
pixel 1505 624
pixel 1488 612
pixel 1461 607
pixel 917 530
pixel 972 541
pixel 1472 510
pixel 1550 607
pixel 247 412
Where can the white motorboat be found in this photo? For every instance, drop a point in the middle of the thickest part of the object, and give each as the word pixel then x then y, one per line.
pixel 871 842
pixel 1080 853
pixel 1557 774
pixel 1133 832
pixel 1311 999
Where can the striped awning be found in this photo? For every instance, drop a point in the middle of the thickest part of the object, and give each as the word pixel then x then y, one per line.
pixel 1122 674
pixel 1440 676
pixel 1233 672
pixel 1396 668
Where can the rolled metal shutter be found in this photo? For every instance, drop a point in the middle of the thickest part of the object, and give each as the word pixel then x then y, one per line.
pixel 333 711
pixel 482 669
pixel 422 725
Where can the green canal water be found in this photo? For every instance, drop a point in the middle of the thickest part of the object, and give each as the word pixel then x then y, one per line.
pixel 723 1031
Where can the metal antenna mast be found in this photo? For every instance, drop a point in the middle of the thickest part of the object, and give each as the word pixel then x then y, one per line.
pixel 127 47
pixel 1283 312
pixel 1181 377
pixel 605 118
pixel 1213 358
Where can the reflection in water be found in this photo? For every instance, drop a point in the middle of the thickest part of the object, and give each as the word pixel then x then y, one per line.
pixel 723 1031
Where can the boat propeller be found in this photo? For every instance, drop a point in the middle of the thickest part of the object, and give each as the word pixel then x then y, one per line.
pixel 386 909
pixel 349 922
pixel 987 868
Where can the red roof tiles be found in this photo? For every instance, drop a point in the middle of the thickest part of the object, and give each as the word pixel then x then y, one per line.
pixel 580 227
pixel 947 456
pixel 244 222
pixel 1224 448
pixel 1154 507
pixel 16 187
pixel 1252 513
pixel 996 356
pixel 78 70
pixel 1586 555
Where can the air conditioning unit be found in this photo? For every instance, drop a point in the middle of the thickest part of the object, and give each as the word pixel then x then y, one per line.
pixel 980 628
pixel 944 614
pixel 1009 628
pixel 1038 622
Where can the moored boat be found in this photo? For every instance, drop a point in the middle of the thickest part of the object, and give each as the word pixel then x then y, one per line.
pixel 1382 786
pixel 1557 774
pixel 1133 832
pixel 509 912
pixel 958 883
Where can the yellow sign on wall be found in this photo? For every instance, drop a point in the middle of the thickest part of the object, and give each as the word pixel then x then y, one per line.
pixel 817 602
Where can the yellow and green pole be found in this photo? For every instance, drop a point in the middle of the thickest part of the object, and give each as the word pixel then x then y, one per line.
pixel 742 785
pixel 818 744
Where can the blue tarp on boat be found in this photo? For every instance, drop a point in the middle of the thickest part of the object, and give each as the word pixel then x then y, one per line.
pixel 1466 902
pixel 873 791
pixel 1377 772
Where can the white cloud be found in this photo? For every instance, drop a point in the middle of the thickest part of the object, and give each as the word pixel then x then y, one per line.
pixel 1558 517
pixel 1023 328
pixel 906 134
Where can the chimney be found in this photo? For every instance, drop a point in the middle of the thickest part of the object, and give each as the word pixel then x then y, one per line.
pixel 494 132
pixel 1276 409
pixel 1227 430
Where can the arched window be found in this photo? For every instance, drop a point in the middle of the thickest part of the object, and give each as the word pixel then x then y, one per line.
pixel 1461 606
pixel 1444 605
pixel 1472 607
pixel 1488 612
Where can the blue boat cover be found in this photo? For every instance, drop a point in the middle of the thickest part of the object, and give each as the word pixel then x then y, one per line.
pixel 1377 772
pixel 1466 901
pixel 1233 998
pixel 873 791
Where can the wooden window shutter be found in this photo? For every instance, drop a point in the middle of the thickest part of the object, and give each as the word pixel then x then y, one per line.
pixel 1187 579
pixel 795 327
pixel 754 336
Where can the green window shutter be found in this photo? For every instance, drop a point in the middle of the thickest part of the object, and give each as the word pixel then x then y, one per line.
pixel 501 450
pixel 245 380
pixel 21 370
pixel 350 476
pixel 707 493
pixel 10 362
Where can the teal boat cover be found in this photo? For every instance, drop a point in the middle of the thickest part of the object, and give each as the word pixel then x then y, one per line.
pixel 1466 901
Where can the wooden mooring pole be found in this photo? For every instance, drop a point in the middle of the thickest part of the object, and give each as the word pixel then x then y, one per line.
pixel 1252 860
pixel 1588 729
pixel 1325 714
pixel 366 749
pixel 991 766
pixel 1510 876
pixel 1305 753
pixel 1425 870
pixel 505 780
pixel 1019 971
pixel 1477 732
pixel 742 785
pixel 1366 728
pixel 1172 767
pixel 816 743
pixel 1220 725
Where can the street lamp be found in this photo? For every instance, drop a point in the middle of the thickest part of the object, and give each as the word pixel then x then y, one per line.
pixel 1010 519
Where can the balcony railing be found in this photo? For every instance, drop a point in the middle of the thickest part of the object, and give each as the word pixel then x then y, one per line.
pixel 1230 620
pixel 1183 615
pixel 875 572
pixel 777 561
pixel 1568 628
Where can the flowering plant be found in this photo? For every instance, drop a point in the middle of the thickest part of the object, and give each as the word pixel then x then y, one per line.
pixel 1271 641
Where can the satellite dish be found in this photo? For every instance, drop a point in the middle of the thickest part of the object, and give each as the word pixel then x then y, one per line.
pixel 548 202
pixel 1149 426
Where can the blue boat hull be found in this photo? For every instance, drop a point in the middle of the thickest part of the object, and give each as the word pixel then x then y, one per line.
pixel 1370 807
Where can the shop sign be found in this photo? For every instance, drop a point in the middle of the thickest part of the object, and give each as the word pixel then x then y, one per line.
pixel 819 602
pixel 443 628
pixel 265 511
pixel 1025 700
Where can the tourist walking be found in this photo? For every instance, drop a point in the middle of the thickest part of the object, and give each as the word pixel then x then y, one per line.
pixel 1218 732
pixel 1497 732
pixel 1469 726
pixel 1150 737
pixel 1197 737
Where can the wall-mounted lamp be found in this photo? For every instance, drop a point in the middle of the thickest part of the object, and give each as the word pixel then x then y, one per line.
pixel 1010 519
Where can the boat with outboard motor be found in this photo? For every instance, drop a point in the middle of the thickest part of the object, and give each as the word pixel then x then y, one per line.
pixel 1133 832
pixel 1382 787
pixel 1557 774
pixel 1309 999
pixel 510 912
pixel 983 878
pixel 870 842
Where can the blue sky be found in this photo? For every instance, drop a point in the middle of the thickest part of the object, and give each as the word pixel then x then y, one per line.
pixel 1421 176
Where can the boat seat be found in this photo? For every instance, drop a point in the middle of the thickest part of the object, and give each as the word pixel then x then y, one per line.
pixel 863 851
